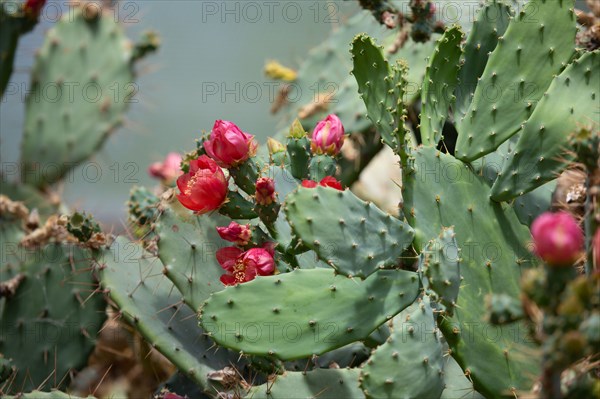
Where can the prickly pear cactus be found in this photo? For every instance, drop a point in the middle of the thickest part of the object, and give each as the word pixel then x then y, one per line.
pixel 82 83
pixel 48 326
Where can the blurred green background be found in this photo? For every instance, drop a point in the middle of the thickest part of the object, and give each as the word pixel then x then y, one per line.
pixel 207 46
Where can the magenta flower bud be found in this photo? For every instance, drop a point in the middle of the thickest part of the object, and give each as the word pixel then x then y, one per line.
pixel 265 191
pixel 558 238
pixel 236 233
pixel 168 170
pixel 228 145
pixel 328 136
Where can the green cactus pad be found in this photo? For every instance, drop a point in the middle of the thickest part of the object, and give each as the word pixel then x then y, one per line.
pixel 285 316
pixel 320 383
pixel 82 83
pixel 135 282
pixel 299 153
pixel 531 205
pixel 49 326
pixel 491 22
pixel 187 247
pixel 528 206
pixel 410 364
pixel 376 87
pixel 354 237
pixel 440 262
pixel 541 152
pixel 536 46
pixel 458 386
pixel 12 255
pixel 441 191
pixel 441 77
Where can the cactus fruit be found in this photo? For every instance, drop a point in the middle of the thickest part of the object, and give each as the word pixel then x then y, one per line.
pixel 86 63
pixel 298 148
pixel 490 121
pixel 354 237
pixel 278 316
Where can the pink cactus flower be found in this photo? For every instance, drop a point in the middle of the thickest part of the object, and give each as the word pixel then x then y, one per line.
pixel 558 238
pixel 228 145
pixel 328 136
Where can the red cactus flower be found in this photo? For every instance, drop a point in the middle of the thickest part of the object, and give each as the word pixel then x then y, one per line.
pixel 265 191
pixel 328 136
pixel 204 188
pixel 557 237
pixel 236 233
pixel 167 170
pixel 327 181
pixel 244 266
pixel 228 145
